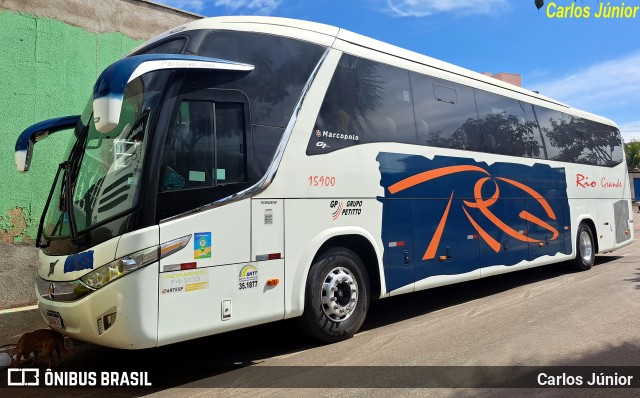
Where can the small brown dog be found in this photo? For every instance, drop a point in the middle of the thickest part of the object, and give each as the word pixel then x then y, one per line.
pixel 45 340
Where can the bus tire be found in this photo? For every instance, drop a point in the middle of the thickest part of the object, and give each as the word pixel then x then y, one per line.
pixel 336 296
pixel 585 248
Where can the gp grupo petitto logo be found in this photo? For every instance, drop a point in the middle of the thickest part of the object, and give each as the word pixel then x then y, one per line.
pixel 345 208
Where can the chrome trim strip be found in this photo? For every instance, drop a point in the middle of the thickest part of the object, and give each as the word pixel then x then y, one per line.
pixel 62 291
pixel 270 174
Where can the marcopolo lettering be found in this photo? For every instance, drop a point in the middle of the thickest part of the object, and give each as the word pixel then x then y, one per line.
pixel 339 136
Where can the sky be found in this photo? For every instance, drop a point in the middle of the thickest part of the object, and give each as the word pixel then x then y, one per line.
pixel 589 63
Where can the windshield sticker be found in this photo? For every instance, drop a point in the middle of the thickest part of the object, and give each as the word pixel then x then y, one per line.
pixel 202 245
pixel 247 277
pixel 78 262
pixel 185 281
pixel 198 176
pixel 268 216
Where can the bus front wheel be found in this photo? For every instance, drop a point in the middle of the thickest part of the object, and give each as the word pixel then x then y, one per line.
pixel 336 296
pixel 585 248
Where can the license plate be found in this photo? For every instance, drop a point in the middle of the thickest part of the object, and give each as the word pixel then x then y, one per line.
pixel 55 319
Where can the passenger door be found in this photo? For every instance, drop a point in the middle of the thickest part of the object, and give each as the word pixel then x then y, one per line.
pixel 215 283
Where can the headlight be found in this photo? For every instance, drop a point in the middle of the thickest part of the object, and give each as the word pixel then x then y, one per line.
pixel 121 267
pixel 133 262
pixel 100 277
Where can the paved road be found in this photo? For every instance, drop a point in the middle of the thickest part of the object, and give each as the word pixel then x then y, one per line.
pixel 547 316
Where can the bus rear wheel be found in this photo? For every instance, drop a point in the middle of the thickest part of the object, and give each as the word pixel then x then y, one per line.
pixel 585 248
pixel 336 296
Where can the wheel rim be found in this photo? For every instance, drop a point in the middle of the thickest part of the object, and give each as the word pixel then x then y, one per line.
pixel 339 294
pixel 586 247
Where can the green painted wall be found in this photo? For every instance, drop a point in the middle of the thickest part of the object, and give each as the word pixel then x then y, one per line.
pixel 47 69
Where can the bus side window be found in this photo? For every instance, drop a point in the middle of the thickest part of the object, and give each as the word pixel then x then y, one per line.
pixel 205 146
pixel 445 112
pixel 190 145
pixel 603 145
pixel 550 122
pixel 366 102
pixel 508 126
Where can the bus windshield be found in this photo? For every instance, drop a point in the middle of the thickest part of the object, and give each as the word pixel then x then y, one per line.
pixel 104 170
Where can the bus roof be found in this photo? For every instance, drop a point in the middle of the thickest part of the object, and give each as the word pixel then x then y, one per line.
pixel 344 40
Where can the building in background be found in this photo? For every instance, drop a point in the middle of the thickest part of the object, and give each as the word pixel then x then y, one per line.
pixel 513 78
pixel 52 53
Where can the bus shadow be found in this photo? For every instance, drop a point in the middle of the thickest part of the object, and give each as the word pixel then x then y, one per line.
pixel 395 309
pixel 635 279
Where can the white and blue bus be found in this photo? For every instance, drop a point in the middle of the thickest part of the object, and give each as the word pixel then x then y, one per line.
pixel 241 170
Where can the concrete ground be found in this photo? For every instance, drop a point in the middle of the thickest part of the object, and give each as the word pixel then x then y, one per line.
pixel 18 266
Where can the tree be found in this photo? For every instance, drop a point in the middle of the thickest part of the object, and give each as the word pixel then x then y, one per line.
pixel 583 141
pixel 632 153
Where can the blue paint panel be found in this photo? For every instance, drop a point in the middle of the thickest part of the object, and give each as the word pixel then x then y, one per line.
pixel 461 253
pixel 78 262
pixel 549 246
pixel 511 250
pixel 490 229
pixel 399 259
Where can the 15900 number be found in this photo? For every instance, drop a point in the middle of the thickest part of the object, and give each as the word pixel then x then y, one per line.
pixel 322 181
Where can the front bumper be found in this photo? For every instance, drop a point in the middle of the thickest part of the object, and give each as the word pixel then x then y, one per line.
pixel 134 300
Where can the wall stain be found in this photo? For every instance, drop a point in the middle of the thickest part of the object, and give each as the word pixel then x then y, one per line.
pixel 17 227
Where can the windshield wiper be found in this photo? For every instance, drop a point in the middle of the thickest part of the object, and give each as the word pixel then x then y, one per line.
pixel 69 207
pixel 61 166
pixel 71 167
pixel 66 194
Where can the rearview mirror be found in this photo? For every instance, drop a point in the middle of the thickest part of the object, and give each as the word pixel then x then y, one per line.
pixel 37 132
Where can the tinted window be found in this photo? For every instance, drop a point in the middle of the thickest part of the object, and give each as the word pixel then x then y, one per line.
pixel 602 144
pixel 552 142
pixel 577 140
pixel 282 67
pixel 170 47
pixel 614 143
pixel 205 146
pixel 265 141
pixel 446 113
pixel 508 126
pixel 366 102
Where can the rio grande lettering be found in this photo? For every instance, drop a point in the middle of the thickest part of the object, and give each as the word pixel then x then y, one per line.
pixel 583 181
